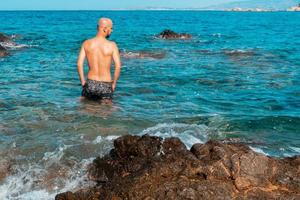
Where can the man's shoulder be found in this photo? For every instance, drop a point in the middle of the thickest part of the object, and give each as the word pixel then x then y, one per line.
pixel 87 44
pixel 113 44
pixel 88 41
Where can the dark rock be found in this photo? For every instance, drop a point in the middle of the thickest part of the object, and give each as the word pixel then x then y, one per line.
pixel 171 35
pixel 5 38
pixel 80 195
pixel 151 168
pixel 5 41
pixel 4 169
pixel 3 51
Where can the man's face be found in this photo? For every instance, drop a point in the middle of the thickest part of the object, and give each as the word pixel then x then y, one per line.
pixel 109 31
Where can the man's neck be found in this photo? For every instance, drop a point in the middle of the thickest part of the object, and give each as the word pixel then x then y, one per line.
pixel 100 36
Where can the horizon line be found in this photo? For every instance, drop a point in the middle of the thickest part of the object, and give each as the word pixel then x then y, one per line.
pixel 137 9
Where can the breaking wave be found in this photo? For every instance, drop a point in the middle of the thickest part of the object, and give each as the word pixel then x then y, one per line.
pixel 189 134
pixel 14 46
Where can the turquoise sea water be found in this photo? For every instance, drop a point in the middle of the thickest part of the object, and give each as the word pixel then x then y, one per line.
pixel 238 77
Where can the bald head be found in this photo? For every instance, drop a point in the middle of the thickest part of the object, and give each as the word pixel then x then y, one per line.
pixel 105 27
pixel 105 22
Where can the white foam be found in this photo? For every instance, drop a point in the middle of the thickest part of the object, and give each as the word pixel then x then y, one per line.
pixel 12 45
pixel 100 139
pixel 259 150
pixel 189 134
pixel 217 35
pixel 55 156
pixel 239 52
pixel 112 137
pixel 29 182
pixel 41 194
pixel 296 149
pixel 285 152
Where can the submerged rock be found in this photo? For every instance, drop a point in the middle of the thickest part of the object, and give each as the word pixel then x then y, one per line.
pixel 239 53
pixel 170 35
pixel 143 55
pixel 152 168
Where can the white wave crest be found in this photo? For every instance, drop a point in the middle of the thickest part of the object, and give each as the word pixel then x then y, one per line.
pixel 189 134
pixel 259 150
pixel 100 139
pixel 12 45
pixel 296 149
pixel 46 178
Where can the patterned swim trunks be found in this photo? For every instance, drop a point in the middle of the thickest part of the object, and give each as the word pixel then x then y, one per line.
pixel 97 90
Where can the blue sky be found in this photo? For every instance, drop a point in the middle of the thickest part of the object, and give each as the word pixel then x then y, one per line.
pixel 102 4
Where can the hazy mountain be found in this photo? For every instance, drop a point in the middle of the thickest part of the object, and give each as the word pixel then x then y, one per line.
pixel 269 4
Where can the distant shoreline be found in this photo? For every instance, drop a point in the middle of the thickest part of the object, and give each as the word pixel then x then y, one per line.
pixel 169 10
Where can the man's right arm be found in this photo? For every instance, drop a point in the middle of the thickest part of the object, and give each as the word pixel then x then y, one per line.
pixel 117 62
pixel 80 64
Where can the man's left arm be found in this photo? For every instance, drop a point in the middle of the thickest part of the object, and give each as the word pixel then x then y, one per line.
pixel 117 62
pixel 80 65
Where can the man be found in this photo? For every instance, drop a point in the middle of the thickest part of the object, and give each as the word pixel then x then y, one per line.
pixel 99 53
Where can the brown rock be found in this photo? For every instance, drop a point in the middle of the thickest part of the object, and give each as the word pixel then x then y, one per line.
pixel 149 168
pixel 4 169
pixel 171 35
pixel 5 38
pixel 3 51
pixel 6 43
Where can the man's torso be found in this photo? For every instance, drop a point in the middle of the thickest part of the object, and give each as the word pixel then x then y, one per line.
pixel 99 56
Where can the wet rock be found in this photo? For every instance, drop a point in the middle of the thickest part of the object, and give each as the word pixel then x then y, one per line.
pixel 152 168
pixel 171 35
pixel 239 53
pixel 206 52
pixel 143 55
pixel 4 168
pixel 5 43
pixel 3 51
pixel 5 38
pixel 80 195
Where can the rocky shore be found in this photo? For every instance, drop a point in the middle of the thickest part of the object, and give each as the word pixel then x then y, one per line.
pixel 152 168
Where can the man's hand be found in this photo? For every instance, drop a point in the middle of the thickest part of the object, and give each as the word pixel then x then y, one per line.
pixel 83 83
pixel 113 86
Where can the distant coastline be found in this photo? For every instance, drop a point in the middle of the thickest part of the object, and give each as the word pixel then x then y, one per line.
pixel 293 9
pixel 236 6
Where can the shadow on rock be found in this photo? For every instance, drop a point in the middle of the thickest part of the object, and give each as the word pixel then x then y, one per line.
pixel 152 168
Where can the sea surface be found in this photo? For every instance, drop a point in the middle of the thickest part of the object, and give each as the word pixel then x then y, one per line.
pixel 238 77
